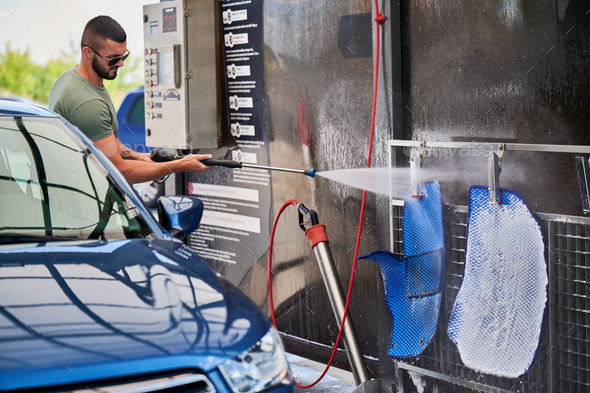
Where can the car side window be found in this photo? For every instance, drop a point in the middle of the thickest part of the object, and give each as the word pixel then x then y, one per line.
pixel 51 184
pixel 17 163
pixel 19 183
pixel 137 111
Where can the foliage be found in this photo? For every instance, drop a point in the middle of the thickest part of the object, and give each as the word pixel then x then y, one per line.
pixel 19 76
pixel 17 73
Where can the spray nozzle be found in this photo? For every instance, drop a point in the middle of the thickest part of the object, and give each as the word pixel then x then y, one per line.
pixel 309 172
pixel 307 217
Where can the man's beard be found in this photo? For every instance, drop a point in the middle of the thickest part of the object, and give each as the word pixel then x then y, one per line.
pixel 104 73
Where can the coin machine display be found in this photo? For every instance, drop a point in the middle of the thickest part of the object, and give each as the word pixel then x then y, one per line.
pixel 180 75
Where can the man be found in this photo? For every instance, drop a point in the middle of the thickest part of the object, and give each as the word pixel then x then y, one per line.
pixel 80 96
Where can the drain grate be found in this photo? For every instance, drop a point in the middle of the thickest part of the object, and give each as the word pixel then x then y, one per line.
pixel 562 364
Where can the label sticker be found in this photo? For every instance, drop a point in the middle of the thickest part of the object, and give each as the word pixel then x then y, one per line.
pixel 229 220
pixel 238 155
pixel 230 16
pixel 171 95
pixel 234 71
pixel 232 39
pixel 236 102
pixel 237 130
pixel 213 190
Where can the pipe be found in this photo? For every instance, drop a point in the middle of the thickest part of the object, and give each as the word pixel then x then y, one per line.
pixel 307 172
pixel 239 164
pixel 319 242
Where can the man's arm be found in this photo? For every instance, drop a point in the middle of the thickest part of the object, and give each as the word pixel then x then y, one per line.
pixel 141 171
pixel 129 154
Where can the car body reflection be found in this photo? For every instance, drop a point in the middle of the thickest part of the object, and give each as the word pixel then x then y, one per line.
pixel 99 296
pixel 128 299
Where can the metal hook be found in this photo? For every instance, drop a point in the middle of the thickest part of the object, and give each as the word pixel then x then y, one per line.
pixel 584 179
pixel 415 167
pixel 494 169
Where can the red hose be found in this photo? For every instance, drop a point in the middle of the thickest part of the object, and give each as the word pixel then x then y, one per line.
pixel 378 19
pixel 272 238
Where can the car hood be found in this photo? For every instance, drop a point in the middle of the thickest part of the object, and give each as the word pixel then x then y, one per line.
pixel 77 311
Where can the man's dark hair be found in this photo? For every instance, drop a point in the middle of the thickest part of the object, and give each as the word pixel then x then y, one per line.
pixel 102 28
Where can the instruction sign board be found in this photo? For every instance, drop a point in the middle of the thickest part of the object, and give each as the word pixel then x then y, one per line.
pixel 234 230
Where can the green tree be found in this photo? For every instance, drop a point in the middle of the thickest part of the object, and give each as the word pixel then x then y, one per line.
pixel 20 76
pixel 17 72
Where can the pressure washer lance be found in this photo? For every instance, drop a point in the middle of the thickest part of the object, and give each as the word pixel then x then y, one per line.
pixel 159 155
pixel 316 233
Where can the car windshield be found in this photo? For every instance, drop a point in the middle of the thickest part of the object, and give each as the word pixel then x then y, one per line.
pixel 52 186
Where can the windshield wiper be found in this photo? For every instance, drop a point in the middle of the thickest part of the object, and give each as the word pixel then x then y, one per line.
pixel 11 238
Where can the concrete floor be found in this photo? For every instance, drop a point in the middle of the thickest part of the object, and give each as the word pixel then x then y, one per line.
pixel 306 371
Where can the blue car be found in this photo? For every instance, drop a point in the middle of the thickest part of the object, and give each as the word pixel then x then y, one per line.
pixel 96 295
pixel 131 119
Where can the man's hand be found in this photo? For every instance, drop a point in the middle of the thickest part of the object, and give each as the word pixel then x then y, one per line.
pixel 147 157
pixel 193 162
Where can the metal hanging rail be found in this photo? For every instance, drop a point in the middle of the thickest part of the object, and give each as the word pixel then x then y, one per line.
pixel 492 146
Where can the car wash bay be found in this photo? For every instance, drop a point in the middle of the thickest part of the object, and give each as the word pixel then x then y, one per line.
pixel 502 71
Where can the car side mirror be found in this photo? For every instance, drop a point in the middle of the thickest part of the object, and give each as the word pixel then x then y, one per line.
pixel 180 215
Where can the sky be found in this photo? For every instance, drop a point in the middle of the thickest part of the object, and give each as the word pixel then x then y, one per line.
pixel 48 26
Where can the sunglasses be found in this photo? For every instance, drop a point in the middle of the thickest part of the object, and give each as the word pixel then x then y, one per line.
pixel 113 60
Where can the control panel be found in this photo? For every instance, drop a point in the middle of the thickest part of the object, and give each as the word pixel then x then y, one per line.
pixel 179 62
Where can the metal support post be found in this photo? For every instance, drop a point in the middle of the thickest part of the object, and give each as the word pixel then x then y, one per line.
pixel 337 300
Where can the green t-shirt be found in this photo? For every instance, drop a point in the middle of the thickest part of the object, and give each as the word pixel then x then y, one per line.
pixel 84 105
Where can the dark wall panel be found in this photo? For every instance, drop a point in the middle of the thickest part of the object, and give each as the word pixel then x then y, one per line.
pixel 506 71
pixel 500 70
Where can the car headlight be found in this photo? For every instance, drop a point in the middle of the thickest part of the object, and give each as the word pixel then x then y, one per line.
pixel 261 367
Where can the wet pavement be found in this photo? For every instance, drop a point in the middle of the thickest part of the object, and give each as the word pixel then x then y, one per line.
pixel 306 371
